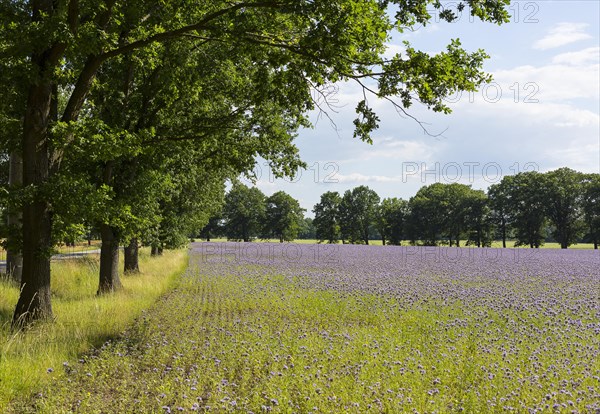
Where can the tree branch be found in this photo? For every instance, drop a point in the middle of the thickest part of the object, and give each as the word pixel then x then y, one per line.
pixel 399 109
pixel 160 37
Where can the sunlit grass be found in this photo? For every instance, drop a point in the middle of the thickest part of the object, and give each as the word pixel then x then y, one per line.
pixel 82 319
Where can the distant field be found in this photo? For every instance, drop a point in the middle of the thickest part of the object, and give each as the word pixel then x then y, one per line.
pixel 351 329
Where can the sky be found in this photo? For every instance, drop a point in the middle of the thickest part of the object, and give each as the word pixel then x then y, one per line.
pixel 541 112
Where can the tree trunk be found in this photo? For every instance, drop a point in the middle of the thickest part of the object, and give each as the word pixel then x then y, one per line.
pixel 504 235
pixel 383 240
pixel 14 258
pixel 154 250
pixel 131 257
pixel 109 261
pixel 595 244
pixel 34 300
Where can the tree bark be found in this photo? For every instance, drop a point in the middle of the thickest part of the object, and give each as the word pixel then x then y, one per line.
pixel 34 301
pixel 154 251
pixel 131 262
pixel 109 261
pixel 14 258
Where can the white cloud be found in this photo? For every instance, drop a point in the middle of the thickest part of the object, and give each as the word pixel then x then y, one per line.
pixel 361 178
pixel 574 154
pixel 563 34
pixel 394 49
pixel 582 57
pixel 550 83
pixel 397 149
pixel 547 115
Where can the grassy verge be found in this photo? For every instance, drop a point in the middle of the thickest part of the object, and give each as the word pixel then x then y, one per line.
pixel 82 320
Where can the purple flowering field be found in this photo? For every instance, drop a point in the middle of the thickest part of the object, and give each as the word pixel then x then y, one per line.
pixel 260 327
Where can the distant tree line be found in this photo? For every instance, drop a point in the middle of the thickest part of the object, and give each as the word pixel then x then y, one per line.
pixel 248 214
pixel 530 207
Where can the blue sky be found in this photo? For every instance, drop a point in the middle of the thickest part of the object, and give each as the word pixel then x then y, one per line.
pixel 542 112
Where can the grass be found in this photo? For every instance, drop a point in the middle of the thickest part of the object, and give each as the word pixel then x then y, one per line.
pixel 82 319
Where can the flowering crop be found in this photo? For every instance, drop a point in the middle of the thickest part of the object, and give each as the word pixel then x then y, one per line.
pixel 344 328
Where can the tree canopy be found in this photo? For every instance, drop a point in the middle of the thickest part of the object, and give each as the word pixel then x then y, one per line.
pixel 112 77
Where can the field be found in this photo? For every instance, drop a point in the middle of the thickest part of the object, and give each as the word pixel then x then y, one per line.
pixel 316 328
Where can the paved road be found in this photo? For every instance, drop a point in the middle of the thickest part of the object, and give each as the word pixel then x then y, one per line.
pixel 60 256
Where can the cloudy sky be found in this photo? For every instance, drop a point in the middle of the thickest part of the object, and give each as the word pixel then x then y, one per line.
pixel 541 112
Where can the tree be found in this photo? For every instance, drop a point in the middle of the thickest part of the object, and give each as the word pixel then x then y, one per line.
pixel 528 208
pixel 13 79
pixel 563 194
pixel 358 211
pixel 214 227
pixel 327 219
pixel 500 202
pixel 195 194
pixel 591 207
pixel 439 211
pixel 136 105
pixel 307 229
pixel 391 218
pixel 455 202
pixel 478 219
pixel 244 212
pixel 283 216
pixel 65 44
pixel 14 258
pixel 427 215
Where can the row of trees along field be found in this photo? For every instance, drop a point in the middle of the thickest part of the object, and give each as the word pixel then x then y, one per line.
pixel 248 214
pixel 129 115
pixel 530 207
pixel 522 207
